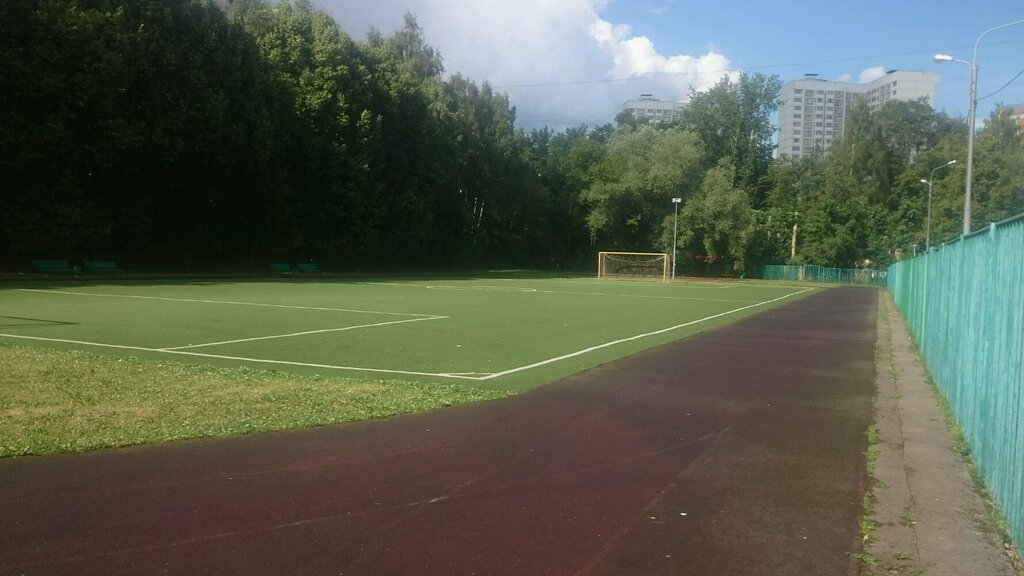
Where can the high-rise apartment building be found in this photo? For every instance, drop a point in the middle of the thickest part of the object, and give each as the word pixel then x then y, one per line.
pixel 1017 115
pixel 653 110
pixel 813 112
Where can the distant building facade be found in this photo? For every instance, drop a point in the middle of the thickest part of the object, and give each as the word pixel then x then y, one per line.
pixel 1017 114
pixel 813 112
pixel 653 110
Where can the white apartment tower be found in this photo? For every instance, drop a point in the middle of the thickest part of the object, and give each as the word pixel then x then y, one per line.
pixel 653 110
pixel 812 112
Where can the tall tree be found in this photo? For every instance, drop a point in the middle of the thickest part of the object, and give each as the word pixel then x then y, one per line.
pixel 635 182
pixel 794 187
pixel 123 138
pixel 718 221
pixel 998 190
pixel 498 185
pixel 566 164
pixel 733 120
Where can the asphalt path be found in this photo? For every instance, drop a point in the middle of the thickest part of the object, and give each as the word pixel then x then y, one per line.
pixel 737 451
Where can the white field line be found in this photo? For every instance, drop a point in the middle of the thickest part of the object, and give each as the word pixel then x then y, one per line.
pixel 637 337
pixel 459 375
pixel 244 359
pixel 566 292
pixel 431 316
pixel 306 333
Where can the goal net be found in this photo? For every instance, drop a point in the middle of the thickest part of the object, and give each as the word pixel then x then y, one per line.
pixel 633 265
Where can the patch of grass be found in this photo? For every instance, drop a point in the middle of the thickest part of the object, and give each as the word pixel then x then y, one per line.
pixel 867 519
pixel 872 451
pixel 908 518
pixel 865 559
pixel 55 400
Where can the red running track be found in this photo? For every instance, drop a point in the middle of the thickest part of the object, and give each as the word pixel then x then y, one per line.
pixel 737 451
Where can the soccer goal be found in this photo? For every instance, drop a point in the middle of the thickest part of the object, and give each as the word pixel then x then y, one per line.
pixel 633 265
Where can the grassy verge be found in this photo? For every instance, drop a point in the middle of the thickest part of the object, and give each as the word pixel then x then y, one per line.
pixel 995 516
pixel 867 522
pixel 65 400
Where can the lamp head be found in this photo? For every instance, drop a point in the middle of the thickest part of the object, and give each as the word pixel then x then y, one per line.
pixel 923 181
pixel 951 162
pixel 942 58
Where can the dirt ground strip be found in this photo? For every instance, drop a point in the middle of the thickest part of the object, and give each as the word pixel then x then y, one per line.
pixel 929 519
pixel 738 451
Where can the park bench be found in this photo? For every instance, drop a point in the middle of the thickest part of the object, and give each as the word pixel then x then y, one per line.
pixel 306 267
pixel 54 266
pixel 280 268
pixel 101 266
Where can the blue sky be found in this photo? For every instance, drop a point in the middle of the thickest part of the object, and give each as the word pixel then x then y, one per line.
pixel 570 62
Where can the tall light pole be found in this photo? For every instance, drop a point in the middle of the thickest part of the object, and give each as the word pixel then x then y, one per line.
pixel 675 222
pixel 928 219
pixel 971 109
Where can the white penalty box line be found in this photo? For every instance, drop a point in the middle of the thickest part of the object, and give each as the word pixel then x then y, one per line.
pixel 459 375
pixel 238 358
pixel 304 333
pixel 409 317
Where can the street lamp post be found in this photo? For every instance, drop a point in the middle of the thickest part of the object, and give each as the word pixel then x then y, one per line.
pixel 675 222
pixel 971 109
pixel 928 218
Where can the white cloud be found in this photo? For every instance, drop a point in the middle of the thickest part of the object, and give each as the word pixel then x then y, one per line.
pixel 869 74
pixel 844 78
pixel 636 56
pixel 559 61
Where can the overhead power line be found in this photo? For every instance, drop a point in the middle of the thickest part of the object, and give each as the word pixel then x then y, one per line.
pixel 1003 86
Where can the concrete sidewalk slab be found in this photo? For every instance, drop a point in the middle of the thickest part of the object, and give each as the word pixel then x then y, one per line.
pixel 930 520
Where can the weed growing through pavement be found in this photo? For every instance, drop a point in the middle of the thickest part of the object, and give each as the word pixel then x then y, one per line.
pixel 867 520
pixel 865 559
pixel 908 519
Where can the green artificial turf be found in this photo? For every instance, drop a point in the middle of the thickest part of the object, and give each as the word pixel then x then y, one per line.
pixel 90 364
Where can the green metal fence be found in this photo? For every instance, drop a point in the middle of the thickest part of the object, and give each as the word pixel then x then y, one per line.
pixel 811 273
pixel 964 304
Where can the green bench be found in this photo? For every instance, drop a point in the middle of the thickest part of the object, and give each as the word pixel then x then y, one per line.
pixel 101 266
pixel 54 266
pixel 306 267
pixel 280 268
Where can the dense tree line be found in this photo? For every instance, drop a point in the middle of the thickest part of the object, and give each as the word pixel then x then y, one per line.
pixel 174 133
pixel 865 202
